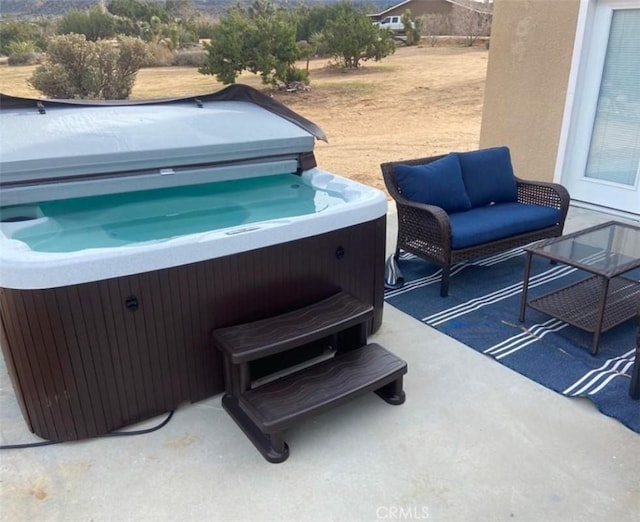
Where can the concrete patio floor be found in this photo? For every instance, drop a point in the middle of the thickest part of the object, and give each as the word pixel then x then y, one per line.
pixel 473 442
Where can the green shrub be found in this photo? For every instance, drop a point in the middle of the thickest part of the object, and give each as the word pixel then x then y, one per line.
pixel 78 68
pixel 126 26
pixel 297 75
pixel 24 58
pixel 22 53
pixel 138 10
pixel 259 39
pixel 13 31
pixel 93 23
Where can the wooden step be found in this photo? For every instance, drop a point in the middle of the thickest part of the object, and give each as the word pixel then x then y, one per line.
pixel 251 341
pixel 278 404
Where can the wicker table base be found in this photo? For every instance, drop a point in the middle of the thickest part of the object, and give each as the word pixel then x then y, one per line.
pixel 602 300
pixel 579 304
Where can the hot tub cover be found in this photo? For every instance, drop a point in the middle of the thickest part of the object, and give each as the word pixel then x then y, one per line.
pixel 44 142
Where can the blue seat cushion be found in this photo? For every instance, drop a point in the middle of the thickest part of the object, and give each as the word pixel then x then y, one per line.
pixel 436 183
pixel 488 176
pixel 491 223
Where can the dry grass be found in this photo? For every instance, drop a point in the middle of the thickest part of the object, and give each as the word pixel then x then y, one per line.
pixel 13 80
pixel 419 102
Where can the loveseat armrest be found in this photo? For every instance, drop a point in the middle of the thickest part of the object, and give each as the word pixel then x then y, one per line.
pixel 424 230
pixel 546 194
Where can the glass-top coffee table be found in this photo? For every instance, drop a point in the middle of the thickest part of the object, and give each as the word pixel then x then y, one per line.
pixel 606 298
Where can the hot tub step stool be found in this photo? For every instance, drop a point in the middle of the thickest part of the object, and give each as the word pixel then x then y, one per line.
pixel 265 411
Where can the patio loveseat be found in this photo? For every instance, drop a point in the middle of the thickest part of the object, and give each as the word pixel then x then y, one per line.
pixel 459 206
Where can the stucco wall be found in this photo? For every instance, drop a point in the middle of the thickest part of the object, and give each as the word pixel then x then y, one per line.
pixel 527 75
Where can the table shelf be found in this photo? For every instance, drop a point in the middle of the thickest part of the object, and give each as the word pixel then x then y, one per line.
pixel 578 304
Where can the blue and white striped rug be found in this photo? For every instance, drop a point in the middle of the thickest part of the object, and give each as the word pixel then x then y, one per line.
pixel 482 310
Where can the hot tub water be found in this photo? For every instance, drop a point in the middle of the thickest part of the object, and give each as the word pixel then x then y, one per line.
pixel 153 215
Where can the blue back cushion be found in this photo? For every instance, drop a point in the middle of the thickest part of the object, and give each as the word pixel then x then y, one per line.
pixel 488 176
pixel 437 183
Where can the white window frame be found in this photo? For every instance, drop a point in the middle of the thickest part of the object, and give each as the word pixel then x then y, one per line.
pixel 585 30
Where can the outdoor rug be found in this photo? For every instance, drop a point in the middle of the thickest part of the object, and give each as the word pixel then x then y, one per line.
pixel 482 311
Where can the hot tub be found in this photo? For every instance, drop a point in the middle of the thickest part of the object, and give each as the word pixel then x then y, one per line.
pixel 130 231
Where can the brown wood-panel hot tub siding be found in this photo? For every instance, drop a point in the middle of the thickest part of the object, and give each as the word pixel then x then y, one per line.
pixel 83 363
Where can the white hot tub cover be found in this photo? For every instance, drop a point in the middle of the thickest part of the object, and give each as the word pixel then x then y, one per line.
pixel 53 149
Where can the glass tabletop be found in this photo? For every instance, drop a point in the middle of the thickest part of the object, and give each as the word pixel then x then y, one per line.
pixel 608 249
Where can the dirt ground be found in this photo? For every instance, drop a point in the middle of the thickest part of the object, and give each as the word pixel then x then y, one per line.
pixel 418 102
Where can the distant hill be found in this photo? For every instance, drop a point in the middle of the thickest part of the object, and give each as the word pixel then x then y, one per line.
pixel 58 7
pixel 33 8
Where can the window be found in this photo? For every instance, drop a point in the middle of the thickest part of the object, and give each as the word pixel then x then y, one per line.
pixel 614 152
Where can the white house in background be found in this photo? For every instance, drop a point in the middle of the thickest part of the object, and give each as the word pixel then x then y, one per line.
pixel 563 91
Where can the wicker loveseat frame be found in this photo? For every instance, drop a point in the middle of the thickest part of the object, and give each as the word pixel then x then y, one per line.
pixel 425 230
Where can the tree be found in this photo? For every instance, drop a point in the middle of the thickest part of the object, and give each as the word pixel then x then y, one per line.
pixel 305 50
pixel 92 23
pixel 411 28
pixel 273 42
pixel 182 9
pixel 351 37
pixel 433 25
pixel 227 52
pixel 121 74
pixel 15 31
pixel 78 68
pixel 470 23
pixel 312 19
pixel 258 38
pixel 319 44
pixel 137 10
pixel 172 25
pixel 183 30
